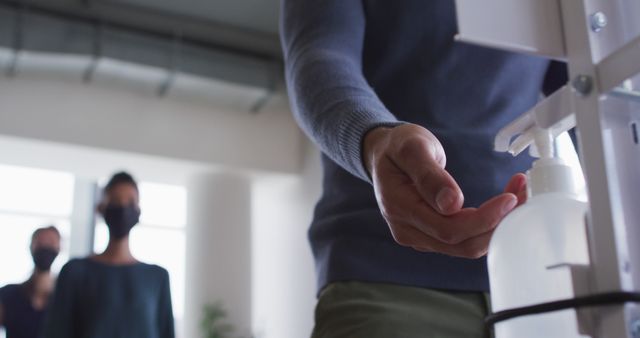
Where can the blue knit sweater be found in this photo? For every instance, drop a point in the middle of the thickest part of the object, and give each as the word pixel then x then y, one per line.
pixel 352 65
pixel 98 300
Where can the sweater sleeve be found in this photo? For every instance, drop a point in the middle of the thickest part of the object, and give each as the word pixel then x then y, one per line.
pixel 165 311
pixel 59 321
pixel 330 97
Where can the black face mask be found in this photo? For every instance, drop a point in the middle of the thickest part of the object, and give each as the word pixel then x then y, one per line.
pixel 120 219
pixel 43 258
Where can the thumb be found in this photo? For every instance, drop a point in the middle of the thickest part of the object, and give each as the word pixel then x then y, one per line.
pixel 422 158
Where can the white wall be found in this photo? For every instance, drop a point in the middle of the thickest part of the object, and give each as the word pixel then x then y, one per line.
pixel 200 121
pixel 218 260
pixel 284 278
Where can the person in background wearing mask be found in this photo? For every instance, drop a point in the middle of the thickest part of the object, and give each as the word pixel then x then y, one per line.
pixel 112 294
pixel 22 306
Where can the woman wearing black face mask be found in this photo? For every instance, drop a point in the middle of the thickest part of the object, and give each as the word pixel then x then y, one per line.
pixel 22 306
pixel 112 294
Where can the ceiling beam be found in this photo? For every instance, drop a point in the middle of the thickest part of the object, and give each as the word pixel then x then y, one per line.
pixel 98 33
pixel 195 31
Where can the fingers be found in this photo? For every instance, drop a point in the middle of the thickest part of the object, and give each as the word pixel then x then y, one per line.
pixel 494 210
pixel 400 203
pixel 516 183
pixel 518 186
pixel 422 203
pixel 472 248
pixel 422 158
pixel 466 234
pixel 522 197
pixel 469 222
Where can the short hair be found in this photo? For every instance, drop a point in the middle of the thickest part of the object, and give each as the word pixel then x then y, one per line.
pixel 43 229
pixel 120 178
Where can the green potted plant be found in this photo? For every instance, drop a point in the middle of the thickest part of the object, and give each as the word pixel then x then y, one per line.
pixel 214 324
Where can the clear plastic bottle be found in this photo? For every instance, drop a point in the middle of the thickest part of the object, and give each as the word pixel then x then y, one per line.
pixel 530 243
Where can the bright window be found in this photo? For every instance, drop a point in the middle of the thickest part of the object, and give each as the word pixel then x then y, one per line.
pixel 36 191
pixel 160 236
pixel 31 198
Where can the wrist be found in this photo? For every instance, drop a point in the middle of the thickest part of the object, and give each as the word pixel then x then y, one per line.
pixel 371 141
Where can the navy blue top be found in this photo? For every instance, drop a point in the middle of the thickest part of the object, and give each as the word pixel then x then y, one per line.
pixel 352 65
pixel 97 300
pixel 20 318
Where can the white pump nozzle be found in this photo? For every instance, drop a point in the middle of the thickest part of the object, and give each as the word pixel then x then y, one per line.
pixel 537 130
pixel 553 114
pixel 549 173
pixel 544 143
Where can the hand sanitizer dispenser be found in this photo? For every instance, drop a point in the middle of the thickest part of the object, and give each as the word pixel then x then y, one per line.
pixel 531 247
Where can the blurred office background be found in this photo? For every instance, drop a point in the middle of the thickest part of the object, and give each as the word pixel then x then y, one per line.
pixel 189 97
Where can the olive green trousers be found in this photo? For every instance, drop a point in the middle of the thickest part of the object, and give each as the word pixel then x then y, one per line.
pixel 372 310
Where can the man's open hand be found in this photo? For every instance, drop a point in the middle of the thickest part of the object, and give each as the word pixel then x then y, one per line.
pixel 422 203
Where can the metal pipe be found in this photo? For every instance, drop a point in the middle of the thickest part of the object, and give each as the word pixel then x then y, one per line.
pixel 631 95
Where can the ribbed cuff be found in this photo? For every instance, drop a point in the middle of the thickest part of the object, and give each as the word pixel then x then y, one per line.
pixel 351 137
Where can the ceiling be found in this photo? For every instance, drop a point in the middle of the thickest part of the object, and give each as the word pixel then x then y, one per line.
pixel 252 15
pixel 231 40
pixel 248 27
pixel 241 21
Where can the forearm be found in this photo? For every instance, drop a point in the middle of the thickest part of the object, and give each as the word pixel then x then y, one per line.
pixel 331 99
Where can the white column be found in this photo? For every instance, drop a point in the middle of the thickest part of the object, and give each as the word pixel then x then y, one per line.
pixel 284 281
pixel 218 252
pixel 83 217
